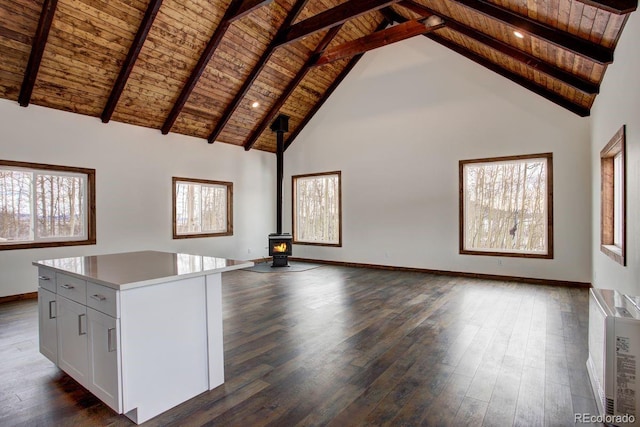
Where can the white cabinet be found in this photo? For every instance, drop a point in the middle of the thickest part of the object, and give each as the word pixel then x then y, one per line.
pixel 79 333
pixel 141 330
pixel 48 324
pixel 104 359
pixel 72 340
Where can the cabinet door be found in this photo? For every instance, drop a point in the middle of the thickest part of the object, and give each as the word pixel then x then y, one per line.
pixel 72 339
pixel 104 360
pixel 48 324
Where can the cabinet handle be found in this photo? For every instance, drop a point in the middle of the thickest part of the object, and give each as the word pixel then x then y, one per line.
pixel 44 278
pixel 111 340
pixel 52 309
pixel 80 316
pixel 67 286
pixel 98 297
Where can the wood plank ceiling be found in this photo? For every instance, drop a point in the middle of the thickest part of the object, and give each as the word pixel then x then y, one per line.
pixel 196 67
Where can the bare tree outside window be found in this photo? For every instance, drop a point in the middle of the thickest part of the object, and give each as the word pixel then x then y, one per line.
pixel 317 209
pixel 45 205
pixel 506 206
pixel 202 208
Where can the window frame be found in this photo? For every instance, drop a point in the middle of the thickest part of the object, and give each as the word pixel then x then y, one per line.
pixel 227 184
pixel 549 201
pixel 615 147
pixel 90 205
pixel 294 178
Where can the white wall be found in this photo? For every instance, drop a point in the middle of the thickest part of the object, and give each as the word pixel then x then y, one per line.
pixel 134 166
pixel 618 104
pixel 397 127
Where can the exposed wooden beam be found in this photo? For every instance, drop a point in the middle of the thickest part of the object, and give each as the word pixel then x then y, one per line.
pixel 329 18
pixel 328 38
pixel 619 7
pixel 567 41
pixel 345 71
pixel 130 60
pixel 249 6
pixel 514 53
pixel 262 62
pixel 352 63
pixel 236 10
pixel 516 78
pixel 37 50
pixel 478 59
pixel 378 39
pixel 275 108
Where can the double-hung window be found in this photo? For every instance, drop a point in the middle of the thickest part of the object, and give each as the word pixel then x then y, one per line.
pixel 506 206
pixel 202 208
pixel 45 205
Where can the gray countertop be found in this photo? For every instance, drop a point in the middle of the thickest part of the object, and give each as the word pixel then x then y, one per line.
pixel 134 269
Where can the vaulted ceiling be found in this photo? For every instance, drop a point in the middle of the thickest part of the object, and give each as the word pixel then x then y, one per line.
pixel 196 67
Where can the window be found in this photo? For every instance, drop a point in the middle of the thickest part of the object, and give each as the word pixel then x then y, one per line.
pixel 45 205
pixel 317 209
pixel 506 206
pixel 202 208
pixel 612 204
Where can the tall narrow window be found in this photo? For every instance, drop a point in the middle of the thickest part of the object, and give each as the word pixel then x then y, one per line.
pixel 46 205
pixel 613 197
pixel 317 209
pixel 506 206
pixel 202 208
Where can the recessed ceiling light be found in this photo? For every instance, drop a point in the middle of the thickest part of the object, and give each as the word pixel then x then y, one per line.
pixel 433 21
pixel 255 104
pixel 518 34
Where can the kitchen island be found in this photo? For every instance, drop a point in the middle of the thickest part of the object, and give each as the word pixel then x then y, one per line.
pixel 141 330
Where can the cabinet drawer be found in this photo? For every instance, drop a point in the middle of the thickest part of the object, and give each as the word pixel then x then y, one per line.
pixel 71 287
pixel 47 279
pixel 103 299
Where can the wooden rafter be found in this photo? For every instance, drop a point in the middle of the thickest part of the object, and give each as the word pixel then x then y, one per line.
pixel 329 18
pixel 129 62
pixel 378 39
pixel 37 50
pixel 345 71
pixel 563 58
pixel 275 108
pixel 236 10
pixel 567 41
pixel 516 78
pixel 512 52
pixel 619 7
pixel 262 62
pixel 249 6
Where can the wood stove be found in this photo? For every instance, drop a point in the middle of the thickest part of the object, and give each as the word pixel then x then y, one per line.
pixel 280 246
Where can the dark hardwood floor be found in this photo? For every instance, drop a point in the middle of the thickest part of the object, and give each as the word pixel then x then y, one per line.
pixel 350 346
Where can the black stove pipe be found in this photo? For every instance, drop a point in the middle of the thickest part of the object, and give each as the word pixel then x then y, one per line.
pixel 280 125
pixel 279 179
